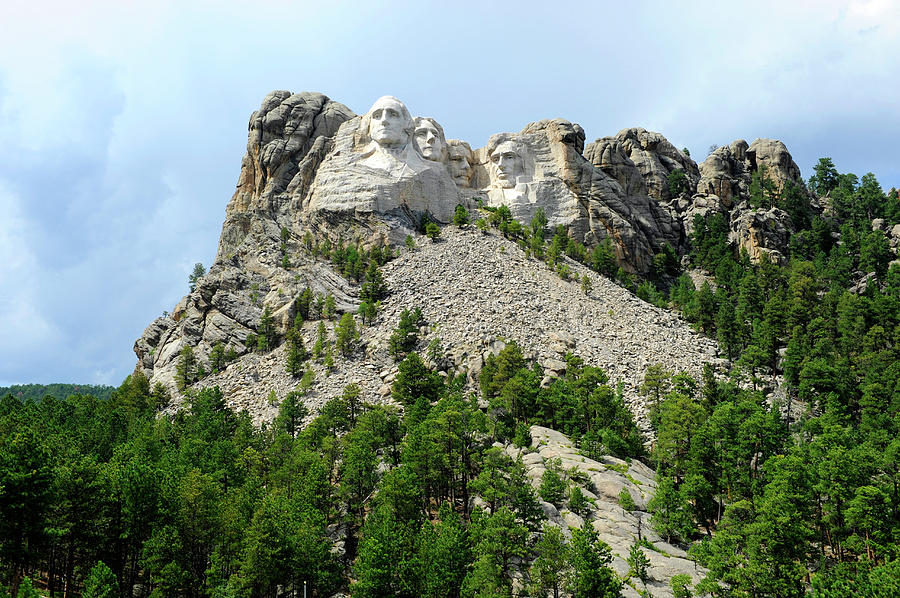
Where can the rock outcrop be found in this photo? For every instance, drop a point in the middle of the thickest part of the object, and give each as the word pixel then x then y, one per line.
pixel 549 171
pixel 601 482
pixel 641 161
pixel 724 187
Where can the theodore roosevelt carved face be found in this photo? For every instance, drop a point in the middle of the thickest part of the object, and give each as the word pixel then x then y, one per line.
pixel 429 139
pixel 507 164
pixel 459 162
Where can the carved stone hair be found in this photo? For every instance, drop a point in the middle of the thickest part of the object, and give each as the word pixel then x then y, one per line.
pixel 499 138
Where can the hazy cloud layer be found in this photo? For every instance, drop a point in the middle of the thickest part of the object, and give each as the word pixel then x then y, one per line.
pixel 123 128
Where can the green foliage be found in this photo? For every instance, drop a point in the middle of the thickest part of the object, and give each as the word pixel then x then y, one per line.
pixel 592 575
pixel 825 178
pixel 681 585
pixel 367 312
pixel 406 335
pixel 303 304
pixel 346 335
pixel 410 242
pixel 551 568
pixel 553 487
pixel 461 216
pixel 187 370
pixel 374 288
pixel 416 382
pixel 626 501
pixel 638 563
pixel 678 183
pixel 36 392
pixel 266 335
pixel 762 188
pixel 432 231
pixel 579 404
pixel 101 583
pixel 321 340
pixel 196 274
pixel 578 503
pixel 586 284
pixel 27 589
pixel 330 307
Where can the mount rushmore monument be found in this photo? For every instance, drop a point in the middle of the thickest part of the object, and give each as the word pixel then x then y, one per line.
pixel 314 169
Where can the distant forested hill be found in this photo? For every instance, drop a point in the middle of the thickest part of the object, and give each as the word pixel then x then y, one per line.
pixel 34 392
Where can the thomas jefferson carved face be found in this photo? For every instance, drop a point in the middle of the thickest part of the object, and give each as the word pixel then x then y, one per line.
pixel 389 122
pixel 459 157
pixel 507 164
pixel 429 139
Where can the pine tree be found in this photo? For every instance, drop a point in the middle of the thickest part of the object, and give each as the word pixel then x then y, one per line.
pixel 186 371
pixel 346 336
pixel 101 583
pixel 296 353
pixel 321 340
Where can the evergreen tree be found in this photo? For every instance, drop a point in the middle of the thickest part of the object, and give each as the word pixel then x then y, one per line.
pixel 592 576
pixel 296 353
pixel 101 583
pixel 346 335
pixel 196 274
pixel 461 216
pixel 550 570
pixel 187 370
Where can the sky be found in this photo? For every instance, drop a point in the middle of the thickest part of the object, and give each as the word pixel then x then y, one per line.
pixel 123 124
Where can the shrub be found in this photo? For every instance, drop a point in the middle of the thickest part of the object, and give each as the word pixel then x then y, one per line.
pixel 461 216
pixel 406 335
pixel 626 501
pixel 553 488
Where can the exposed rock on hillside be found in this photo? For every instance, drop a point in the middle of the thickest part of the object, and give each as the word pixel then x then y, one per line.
pixel 590 203
pixel 478 292
pixel 601 482
pixel 281 134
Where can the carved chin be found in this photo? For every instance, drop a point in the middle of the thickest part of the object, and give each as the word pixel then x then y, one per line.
pixel 386 139
pixel 505 183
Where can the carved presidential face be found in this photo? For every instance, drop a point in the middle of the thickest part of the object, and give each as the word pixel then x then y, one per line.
pixel 507 164
pixel 389 122
pixel 459 163
pixel 428 139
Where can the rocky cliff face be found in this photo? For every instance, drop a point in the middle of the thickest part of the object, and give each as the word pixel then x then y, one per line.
pixel 724 186
pixel 315 170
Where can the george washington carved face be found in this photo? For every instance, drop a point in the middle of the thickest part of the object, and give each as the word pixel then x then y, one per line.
pixel 389 122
